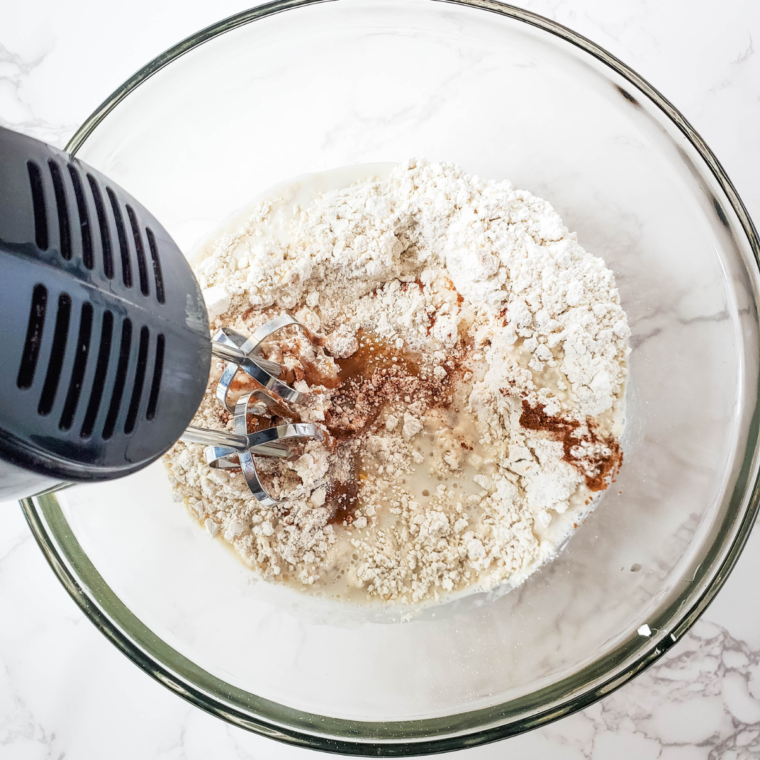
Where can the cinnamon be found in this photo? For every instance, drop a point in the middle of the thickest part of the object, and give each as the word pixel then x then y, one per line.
pixel 597 458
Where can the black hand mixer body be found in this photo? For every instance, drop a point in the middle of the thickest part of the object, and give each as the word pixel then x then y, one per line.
pixel 103 327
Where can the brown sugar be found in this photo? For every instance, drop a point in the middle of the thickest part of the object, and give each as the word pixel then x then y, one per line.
pixel 375 376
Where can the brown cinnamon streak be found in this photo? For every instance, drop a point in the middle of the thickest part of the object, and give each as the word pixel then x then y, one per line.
pixel 598 470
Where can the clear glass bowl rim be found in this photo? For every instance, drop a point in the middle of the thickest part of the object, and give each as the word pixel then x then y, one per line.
pixel 400 738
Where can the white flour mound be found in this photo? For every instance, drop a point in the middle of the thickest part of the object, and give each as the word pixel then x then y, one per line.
pixel 483 456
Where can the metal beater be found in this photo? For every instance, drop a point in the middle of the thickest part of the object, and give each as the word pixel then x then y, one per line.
pixel 238 450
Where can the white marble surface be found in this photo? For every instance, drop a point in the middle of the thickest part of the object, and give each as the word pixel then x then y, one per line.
pixel 66 692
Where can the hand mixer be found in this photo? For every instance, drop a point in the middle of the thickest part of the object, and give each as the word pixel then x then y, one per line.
pixel 105 336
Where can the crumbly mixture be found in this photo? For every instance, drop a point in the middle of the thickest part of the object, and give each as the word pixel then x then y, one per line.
pixel 470 375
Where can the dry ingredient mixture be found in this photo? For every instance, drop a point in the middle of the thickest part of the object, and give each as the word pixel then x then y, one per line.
pixel 470 375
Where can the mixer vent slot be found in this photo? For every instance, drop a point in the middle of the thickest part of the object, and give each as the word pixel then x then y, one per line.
pixel 57 353
pixel 33 338
pixel 126 263
pixel 64 225
pixel 142 267
pixel 158 370
pixel 142 363
pixel 80 365
pixel 88 258
pixel 105 234
pixel 38 202
pixel 120 378
pixel 101 370
pixel 157 273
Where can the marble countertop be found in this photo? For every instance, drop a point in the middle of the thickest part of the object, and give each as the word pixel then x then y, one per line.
pixel 66 692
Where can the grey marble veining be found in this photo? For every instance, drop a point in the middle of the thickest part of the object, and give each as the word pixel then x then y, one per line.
pixel 66 692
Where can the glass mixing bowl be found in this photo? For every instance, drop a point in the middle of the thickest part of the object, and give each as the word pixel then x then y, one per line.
pixel 295 86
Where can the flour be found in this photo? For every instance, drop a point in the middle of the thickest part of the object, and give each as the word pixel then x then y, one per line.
pixel 472 386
